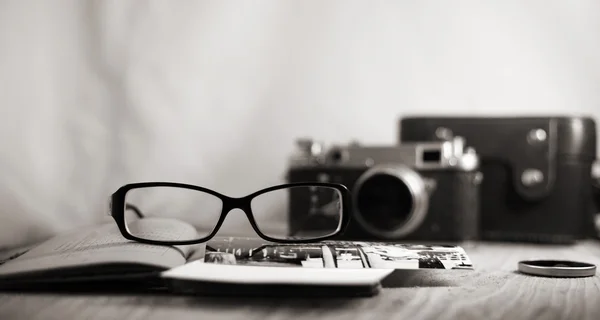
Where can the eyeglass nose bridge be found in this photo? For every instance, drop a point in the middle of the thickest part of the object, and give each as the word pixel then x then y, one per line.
pixel 236 203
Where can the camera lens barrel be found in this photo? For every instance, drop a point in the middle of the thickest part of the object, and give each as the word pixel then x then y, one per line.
pixel 390 201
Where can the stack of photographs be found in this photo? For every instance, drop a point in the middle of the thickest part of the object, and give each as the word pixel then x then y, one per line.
pixel 336 254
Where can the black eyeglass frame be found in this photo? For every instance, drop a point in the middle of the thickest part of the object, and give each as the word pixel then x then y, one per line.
pixel 117 209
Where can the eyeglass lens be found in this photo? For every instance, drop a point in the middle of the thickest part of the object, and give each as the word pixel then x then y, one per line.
pixel 180 214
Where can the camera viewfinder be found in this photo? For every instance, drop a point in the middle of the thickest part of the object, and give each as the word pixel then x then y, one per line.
pixel 432 156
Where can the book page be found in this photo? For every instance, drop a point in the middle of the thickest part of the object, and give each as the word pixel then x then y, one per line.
pixel 102 245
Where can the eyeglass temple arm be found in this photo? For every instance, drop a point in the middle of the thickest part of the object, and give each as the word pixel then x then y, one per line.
pixel 138 212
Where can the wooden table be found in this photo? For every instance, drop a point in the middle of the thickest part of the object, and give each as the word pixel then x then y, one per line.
pixel 493 291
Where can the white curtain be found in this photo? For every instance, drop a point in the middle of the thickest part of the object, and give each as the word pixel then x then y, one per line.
pixel 95 94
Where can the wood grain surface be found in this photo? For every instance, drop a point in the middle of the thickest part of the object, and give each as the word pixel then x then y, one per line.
pixel 495 290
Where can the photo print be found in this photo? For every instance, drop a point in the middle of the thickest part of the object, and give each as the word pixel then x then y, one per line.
pixel 335 254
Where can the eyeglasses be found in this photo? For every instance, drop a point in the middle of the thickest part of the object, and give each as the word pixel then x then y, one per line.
pixel 167 213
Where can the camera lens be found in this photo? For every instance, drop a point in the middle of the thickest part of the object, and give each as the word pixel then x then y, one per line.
pixel 386 199
pixel 390 201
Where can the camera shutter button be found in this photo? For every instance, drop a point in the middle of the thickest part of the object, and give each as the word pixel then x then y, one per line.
pixel 444 133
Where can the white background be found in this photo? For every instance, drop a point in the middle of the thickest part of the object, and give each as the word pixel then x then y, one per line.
pixel 95 94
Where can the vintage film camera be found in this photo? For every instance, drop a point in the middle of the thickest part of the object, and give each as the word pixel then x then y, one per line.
pixel 426 191
pixel 537 184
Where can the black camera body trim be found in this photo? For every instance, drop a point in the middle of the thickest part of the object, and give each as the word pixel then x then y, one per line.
pixel 415 192
pixel 537 172
pixel 452 213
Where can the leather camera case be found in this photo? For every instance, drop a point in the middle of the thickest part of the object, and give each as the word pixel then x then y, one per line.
pixel 537 183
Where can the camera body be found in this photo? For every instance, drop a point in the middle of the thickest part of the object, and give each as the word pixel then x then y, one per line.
pixel 423 191
pixel 537 172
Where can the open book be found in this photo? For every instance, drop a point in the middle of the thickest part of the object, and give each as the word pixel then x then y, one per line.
pixel 100 254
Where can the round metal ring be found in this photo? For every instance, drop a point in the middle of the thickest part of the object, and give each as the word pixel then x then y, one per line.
pixel 419 195
pixel 557 268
